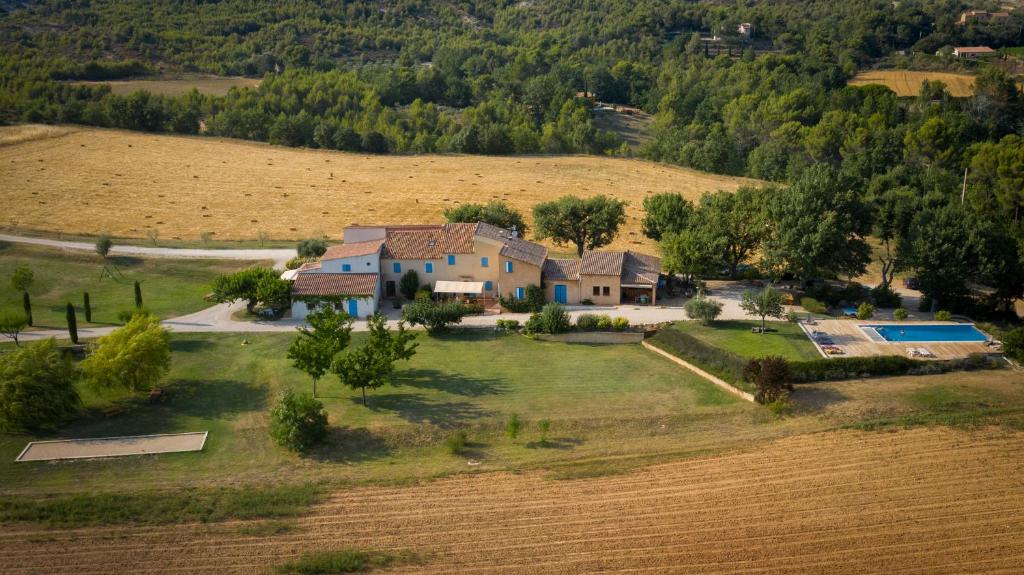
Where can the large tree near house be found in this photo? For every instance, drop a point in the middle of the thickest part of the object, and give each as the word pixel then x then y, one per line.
pixel 314 349
pixel 587 223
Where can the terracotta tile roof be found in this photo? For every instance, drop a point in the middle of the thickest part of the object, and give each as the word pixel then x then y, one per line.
pixel 352 250
pixel 601 263
pixel 526 251
pixel 558 269
pixel 317 284
pixel 308 266
pixel 457 238
pixel 640 268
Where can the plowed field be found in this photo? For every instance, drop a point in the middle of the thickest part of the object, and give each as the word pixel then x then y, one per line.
pixel 919 501
pixel 908 83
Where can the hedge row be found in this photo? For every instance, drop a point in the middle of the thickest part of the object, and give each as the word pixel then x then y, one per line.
pixel 839 368
pixel 717 361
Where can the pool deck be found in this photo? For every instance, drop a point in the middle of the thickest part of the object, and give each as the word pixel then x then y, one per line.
pixel 847 335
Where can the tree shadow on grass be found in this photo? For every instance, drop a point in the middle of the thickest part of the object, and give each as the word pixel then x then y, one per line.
pixel 468 334
pixel 556 443
pixel 417 408
pixel 190 345
pixel 449 382
pixel 809 399
pixel 208 399
pixel 125 261
pixel 350 445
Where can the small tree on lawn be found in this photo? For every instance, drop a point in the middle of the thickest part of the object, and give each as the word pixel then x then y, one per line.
pixel 771 377
pixel 372 364
pixel 103 245
pixel 762 303
pixel 314 349
pixel 435 316
pixel 312 248
pixel 704 309
pixel 37 387
pixel 245 285
pixel 87 306
pixel 22 281
pixel 138 294
pixel 298 422
pixel 12 324
pixel 409 284
pixel 72 323
pixel 134 357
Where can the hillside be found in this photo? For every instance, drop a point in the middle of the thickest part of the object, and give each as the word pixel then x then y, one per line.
pixel 87 181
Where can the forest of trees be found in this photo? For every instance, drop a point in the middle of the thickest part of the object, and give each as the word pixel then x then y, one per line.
pixel 501 77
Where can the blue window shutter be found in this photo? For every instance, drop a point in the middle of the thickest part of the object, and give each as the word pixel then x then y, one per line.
pixel 397 267
pixel 483 262
pixel 430 268
pixel 451 260
pixel 520 293
pixel 488 286
pixel 346 267
pixel 508 266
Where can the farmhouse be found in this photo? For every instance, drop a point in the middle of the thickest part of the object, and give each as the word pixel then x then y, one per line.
pixel 981 16
pixel 477 261
pixel 973 52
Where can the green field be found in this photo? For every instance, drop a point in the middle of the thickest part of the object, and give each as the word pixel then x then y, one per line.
pixel 170 287
pixel 789 341
pixel 601 400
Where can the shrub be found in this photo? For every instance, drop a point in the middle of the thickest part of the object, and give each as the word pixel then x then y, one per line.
pixel 544 426
pixel 724 364
pixel 435 316
pixel 839 368
pixel 512 426
pixel 812 305
pixel 138 295
pixel 865 311
pixel 587 301
pixel 296 262
pixel 554 318
pixel 620 324
pixel 604 322
pixel 586 322
pixel 899 314
pixel 298 422
pixel 88 307
pixel 704 309
pixel 885 297
pixel 409 284
pixel 532 302
pixel 507 325
pixel 37 387
pixel 1013 344
pixel 771 376
pixel 126 315
pixel 312 247
pixel 455 444
pixel 72 320
pixel 943 316
pixel 12 323
pixel 424 294
pixel 134 357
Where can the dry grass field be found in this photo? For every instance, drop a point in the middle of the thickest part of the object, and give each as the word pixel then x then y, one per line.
pixel 908 83
pixel 86 181
pixel 212 85
pixel 928 500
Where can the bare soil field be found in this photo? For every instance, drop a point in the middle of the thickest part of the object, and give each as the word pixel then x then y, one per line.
pixel 87 181
pixel 212 85
pixel 908 83
pixel 928 500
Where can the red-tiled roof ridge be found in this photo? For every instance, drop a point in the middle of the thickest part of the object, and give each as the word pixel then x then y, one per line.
pixel 596 263
pixel 352 249
pixel 561 269
pixel 321 284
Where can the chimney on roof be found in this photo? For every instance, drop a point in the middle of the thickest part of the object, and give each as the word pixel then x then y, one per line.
pixel 515 232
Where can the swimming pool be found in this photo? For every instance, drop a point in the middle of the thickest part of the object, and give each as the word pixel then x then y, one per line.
pixel 934 333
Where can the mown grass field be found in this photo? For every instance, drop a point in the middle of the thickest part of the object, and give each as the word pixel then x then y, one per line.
pixel 789 341
pixel 175 86
pixel 86 181
pixel 170 287
pixel 908 82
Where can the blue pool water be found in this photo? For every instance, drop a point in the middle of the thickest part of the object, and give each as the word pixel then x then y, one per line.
pixel 959 332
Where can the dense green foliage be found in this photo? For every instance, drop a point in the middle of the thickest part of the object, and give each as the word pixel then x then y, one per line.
pixel 585 223
pixel 258 286
pixel 298 422
pixel 552 318
pixel 72 320
pixel 311 247
pixel 436 316
pixel 372 364
pixel 839 368
pixel 37 387
pixel 409 284
pixel 12 323
pixel 724 364
pixel 771 376
pixel 315 347
pixel 533 300
pixel 343 561
pixel 495 212
pixel 134 357
pixel 703 309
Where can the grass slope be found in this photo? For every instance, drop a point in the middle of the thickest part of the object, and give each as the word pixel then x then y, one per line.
pixel 212 85
pixel 169 287
pixel 789 341
pixel 84 180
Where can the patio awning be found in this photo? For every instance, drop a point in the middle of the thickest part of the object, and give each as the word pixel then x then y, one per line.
pixel 458 287
pixel 289 275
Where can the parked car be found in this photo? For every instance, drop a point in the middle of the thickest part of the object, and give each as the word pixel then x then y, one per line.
pixel 910 283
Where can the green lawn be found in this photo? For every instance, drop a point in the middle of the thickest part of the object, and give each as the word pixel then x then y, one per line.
pixel 789 341
pixel 170 287
pixel 603 401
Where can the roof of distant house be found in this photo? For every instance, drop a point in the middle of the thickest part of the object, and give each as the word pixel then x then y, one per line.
pixel 974 49
pixel 320 284
pixel 433 242
pixel 601 263
pixel 631 267
pixel 352 250
pixel 562 269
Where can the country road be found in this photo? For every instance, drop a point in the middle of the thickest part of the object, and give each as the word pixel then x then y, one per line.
pixel 279 256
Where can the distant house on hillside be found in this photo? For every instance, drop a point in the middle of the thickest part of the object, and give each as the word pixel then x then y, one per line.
pixel 973 52
pixel 981 16
pixel 478 262
pixel 745 29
